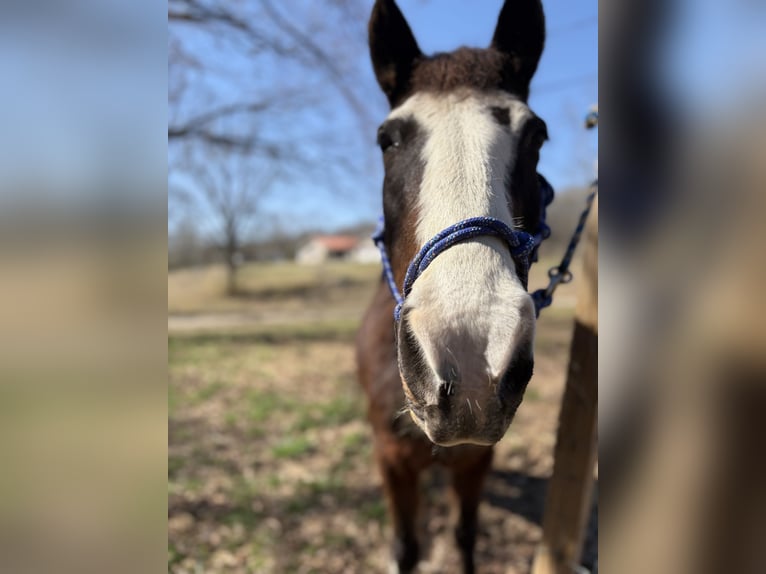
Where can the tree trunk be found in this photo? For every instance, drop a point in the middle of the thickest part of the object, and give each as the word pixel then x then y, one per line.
pixel 231 251
pixel 231 276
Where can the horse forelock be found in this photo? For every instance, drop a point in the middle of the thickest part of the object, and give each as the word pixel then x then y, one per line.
pixel 474 68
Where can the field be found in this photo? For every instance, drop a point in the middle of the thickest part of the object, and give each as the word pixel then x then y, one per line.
pixel 270 460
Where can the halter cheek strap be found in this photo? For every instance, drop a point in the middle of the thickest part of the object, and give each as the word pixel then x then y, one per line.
pixel 523 247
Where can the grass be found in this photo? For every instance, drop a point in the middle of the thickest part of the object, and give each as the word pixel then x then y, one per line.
pixel 175 464
pixel 207 392
pixel 286 285
pixel 201 290
pixel 174 400
pixel 374 510
pixel 336 411
pixel 354 440
pixel 207 346
pixel 267 423
pixel 246 405
pixel 242 494
pixel 174 556
pixel 310 493
pixel 186 352
pixel 292 447
pixel 263 404
pixel 340 410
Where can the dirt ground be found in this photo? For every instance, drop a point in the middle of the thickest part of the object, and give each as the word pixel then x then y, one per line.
pixel 270 460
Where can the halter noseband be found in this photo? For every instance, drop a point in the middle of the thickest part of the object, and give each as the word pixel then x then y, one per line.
pixel 523 247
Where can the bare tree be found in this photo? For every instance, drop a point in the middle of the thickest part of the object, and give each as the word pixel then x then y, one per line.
pixel 231 189
pixel 260 31
pixel 282 85
pixel 185 247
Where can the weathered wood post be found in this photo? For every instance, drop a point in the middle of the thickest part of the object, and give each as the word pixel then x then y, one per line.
pixel 568 501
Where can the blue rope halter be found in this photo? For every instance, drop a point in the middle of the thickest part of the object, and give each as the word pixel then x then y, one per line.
pixel 523 247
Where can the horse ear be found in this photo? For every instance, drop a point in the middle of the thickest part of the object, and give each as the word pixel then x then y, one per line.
pixel 393 49
pixel 520 33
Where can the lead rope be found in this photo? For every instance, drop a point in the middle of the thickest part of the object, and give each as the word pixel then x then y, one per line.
pixel 561 273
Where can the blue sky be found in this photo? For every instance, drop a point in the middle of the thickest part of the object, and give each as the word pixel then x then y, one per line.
pixel 566 82
pixel 565 86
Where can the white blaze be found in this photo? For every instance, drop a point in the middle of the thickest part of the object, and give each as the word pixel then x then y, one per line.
pixel 469 301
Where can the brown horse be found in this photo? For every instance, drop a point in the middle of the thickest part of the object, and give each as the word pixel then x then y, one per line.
pixel 460 142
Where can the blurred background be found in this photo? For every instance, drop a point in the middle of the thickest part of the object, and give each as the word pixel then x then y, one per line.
pixel 274 188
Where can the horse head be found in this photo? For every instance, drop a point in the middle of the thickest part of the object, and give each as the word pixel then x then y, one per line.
pixel 460 143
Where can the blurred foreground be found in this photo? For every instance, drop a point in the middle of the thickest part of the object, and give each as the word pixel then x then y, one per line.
pixel 682 375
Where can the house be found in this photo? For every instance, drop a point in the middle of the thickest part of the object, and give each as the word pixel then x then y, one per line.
pixel 321 248
pixel 366 251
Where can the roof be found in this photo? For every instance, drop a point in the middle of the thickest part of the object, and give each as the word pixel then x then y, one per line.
pixel 336 242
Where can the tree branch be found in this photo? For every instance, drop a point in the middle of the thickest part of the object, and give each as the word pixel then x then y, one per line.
pixel 197 13
pixel 196 125
pixel 320 57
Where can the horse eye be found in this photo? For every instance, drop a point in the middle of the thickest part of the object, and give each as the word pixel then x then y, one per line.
pixel 384 140
pixel 387 138
pixel 537 136
pixel 538 139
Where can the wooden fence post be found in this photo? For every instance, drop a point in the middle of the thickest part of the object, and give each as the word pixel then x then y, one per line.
pixel 569 496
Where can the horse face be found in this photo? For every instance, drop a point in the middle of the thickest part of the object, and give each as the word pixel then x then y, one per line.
pixel 460 142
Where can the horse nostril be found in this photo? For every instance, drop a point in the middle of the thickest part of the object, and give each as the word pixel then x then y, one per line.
pixel 446 390
pixel 450 375
pixel 518 374
pixel 411 365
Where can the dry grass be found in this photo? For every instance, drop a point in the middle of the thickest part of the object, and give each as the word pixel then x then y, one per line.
pixel 282 292
pixel 270 466
pixel 269 286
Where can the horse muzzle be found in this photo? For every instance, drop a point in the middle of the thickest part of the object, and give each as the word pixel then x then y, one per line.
pixel 458 402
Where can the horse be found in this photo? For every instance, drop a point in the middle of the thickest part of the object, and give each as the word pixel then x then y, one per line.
pixel 448 336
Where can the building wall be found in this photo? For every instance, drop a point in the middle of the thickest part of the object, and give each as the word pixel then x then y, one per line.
pixel 312 253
